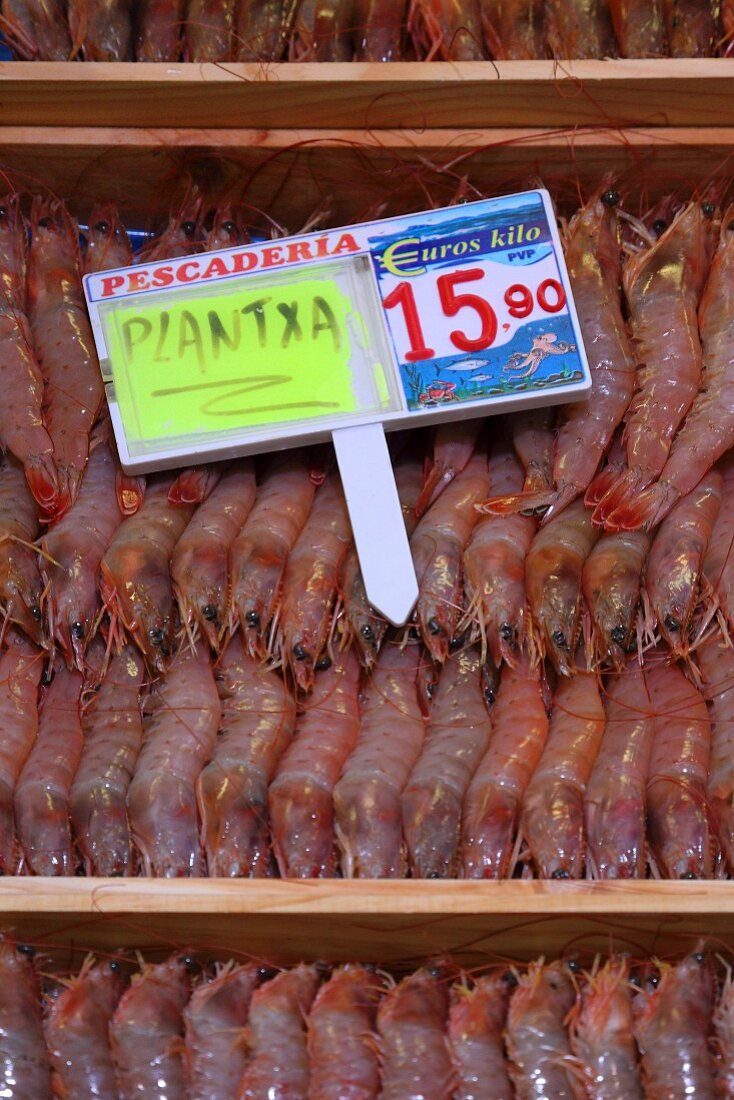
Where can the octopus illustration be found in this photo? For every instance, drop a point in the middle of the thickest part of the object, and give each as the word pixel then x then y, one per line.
pixel 544 345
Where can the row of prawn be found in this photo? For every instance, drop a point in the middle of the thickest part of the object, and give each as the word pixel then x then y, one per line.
pixel 363 30
pixel 620 1031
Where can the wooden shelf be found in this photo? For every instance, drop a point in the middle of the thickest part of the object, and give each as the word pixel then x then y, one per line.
pixel 414 96
pixel 386 922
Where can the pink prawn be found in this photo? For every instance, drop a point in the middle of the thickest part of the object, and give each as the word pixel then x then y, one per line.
pixel 447 30
pixel 639 27
pixel 263 29
pixel 21 667
pixel 579 29
pixel 476 1022
pixel 209 28
pixel 513 29
pixel 453 448
pixel 411 1024
pixel 601 1034
pixel 159 30
pixel 536 1036
pixel 215 1020
pixel 36 29
pixel 380 25
pixel 341 1043
pixel 21 590
pixel 276 1033
pixel 24 1066
pixel 102 30
pixel 716 661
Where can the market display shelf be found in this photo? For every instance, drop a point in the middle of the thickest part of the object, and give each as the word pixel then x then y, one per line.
pixel 381 921
pixel 417 95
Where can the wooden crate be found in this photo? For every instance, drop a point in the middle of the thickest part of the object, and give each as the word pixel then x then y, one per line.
pixel 358 140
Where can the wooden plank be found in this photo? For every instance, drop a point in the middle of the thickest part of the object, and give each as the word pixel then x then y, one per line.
pixel 370 96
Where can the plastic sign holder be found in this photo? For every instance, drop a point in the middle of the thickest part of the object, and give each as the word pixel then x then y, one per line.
pixel 399 323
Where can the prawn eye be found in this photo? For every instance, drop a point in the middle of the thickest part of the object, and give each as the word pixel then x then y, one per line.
pixel 560 872
pixel 619 635
pixel 559 638
pixel 509 979
pixel 299 652
pixel 507 632
pixel 3 213
pixel 189 962
pixel 434 626
pixel 489 696
pixel 671 622
pixel 265 973
pixel 730 227
pixel 26 949
pixel 44 223
pixel 430 688
pixel 699 957
pixel 115 966
pixel 610 197
pixel 230 228
pixel 635 981
pixel 659 226
pixel 188 228
pixel 323 663
pixel 156 636
pixel 654 980
pixel 209 612
pixel 573 965
pixel 77 630
pixel 367 632
pixel 689 875
pixel 36 612
pixel 252 619
pixel 707 209
pixel 102 227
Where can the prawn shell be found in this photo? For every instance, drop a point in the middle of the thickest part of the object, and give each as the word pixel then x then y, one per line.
pixel 414 1054
pixel 602 1037
pixel 24 1064
pixel 215 1020
pixel 537 1040
pixel 341 1043
pixel 276 1036
pixel 475 1033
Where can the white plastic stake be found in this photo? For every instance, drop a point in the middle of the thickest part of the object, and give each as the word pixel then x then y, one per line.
pixel 377 520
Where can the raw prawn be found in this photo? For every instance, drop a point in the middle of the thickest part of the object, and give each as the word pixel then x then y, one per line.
pixel 456 739
pixel 209 28
pixel 215 1020
pixel 716 661
pixel 611 582
pixel 276 1036
pixel 135 578
pixel 601 1034
pixel 614 807
pixel 513 29
pixel 310 581
pixel 257 723
pixel 42 792
pixel 62 337
pixel 227 229
pixel 146 1033
pixel 159 30
pixel 194 484
pixel 691 26
pixel 76 1029
pixel 22 430
pixel 639 27
pixel 36 29
pixel 113 733
pixel 183 232
pixel 263 29
pixel 494 797
pixel 579 28
pixel 411 1024
pixel 533 439
pixel 24 1068
pixel 322 32
pixel 102 30
pixel 453 448
pixel 379 30
pixel 106 243
pixel 662 285
pixel 367 797
pixel 724 1037
pixel 20 580
pixel 677 815
pixel 553 570
pixel 536 1037
pixel 718 564
pixel 21 667
pixel 675 561
pixel 552 820
pixel 72 550
pixel 178 740
pixel 341 1047
pixel 447 30
pixel 258 555
pixel 300 797
pixel 476 1022
pixel 494 565
pixel 437 546
pixel 200 557
pixel 672 1028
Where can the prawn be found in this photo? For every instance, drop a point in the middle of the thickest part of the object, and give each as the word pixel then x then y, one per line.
pixel 639 28
pixel 146 1032
pixel 199 559
pixel 447 30
pixel 553 570
pixel 76 1029
pixel 513 29
pixel 194 484
pixel 227 229
pixel 257 723
pixel 672 1028
pixel 601 1034
pixel 300 797
pixel 322 32
pixel 494 797
pixel 341 1044
pixel 22 430
pixel 20 580
pixel 494 566
pixel 691 27
pixel 21 667
pixel 718 563
pixel 552 819
pixel 533 439
pixel 579 29
pixel 179 732
pixel 106 243
pixel 72 550
pixel 675 561
pixel 677 817
pixel 724 1037
pixel 135 577
pixel 182 234
pixel 215 1020
pixel 209 28
pixel 42 792
pixel 716 662
pixel 367 806
pixel 536 1036
pixel 456 739
pixel 411 1025
pixel 159 30
pixel 611 582
pixel 263 29
pixel 102 30
pixel 614 807
pixel 276 1036
pixel 310 582
pixel 476 1022
pixel 36 30
pixel 453 447
pixel 662 285
pixel 258 555
pixel 24 1068
pixel 437 546
pixel 380 28
pixel 113 732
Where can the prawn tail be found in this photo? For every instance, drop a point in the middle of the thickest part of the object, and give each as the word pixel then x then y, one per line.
pixel 623 489
pixel 43 482
pixel 438 477
pixel 188 488
pixel 527 504
pixel 600 486
pixel 130 492
pixel 645 510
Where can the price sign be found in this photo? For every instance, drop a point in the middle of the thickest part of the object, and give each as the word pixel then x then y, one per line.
pixel 449 313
